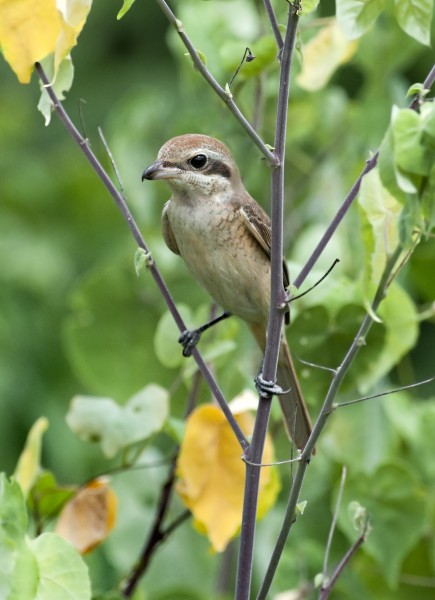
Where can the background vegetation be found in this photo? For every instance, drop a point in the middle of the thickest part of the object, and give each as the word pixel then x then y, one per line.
pixel 75 319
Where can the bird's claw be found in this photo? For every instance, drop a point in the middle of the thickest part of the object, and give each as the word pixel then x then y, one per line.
pixel 268 388
pixel 188 339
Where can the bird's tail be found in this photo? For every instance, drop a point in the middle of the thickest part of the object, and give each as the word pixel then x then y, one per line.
pixel 296 418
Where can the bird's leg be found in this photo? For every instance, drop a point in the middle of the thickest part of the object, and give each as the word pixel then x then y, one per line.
pixel 189 339
pixel 267 388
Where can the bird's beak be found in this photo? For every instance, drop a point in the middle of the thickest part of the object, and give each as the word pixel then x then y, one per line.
pixel 159 171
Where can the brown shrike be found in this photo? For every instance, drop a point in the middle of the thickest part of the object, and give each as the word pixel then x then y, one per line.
pixel 224 238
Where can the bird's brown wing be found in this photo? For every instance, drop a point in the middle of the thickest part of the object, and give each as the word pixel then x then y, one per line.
pixel 168 234
pixel 258 224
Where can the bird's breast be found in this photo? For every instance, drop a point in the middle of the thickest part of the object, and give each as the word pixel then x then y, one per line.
pixel 223 257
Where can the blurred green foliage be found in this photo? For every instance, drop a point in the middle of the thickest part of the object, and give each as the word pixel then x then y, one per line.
pixel 75 319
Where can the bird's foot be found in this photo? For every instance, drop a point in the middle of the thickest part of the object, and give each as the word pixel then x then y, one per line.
pixel 268 388
pixel 189 339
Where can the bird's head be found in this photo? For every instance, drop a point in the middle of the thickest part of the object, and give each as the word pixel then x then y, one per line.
pixel 195 165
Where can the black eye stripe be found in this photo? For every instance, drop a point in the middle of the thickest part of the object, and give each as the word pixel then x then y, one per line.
pixel 217 167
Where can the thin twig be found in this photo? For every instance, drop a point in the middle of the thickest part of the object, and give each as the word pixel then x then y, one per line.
pixel 314 365
pixel 387 393
pixel 112 161
pixel 287 461
pixel 128 217
pixel 310 289
pixel 325 591
pixel 247 57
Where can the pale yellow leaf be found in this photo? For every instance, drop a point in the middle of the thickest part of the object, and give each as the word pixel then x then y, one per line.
pixel 212 474
pixel 30 30
pixel 87 519
pixel 322 56
pixel 74 14
pixel 28 466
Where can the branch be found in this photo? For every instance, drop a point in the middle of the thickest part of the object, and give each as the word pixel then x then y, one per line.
pixel 274 24
pixel 319 425
pixel 277 300
pixel 128 217
pixel 220 91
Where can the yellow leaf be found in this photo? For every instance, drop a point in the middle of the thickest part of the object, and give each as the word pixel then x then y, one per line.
pixel 212 474
pixel 28 465
pixel 323 54
pixel 30 30
pixel 87 519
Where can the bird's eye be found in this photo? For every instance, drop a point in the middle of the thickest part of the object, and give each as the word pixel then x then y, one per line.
pixel 198 161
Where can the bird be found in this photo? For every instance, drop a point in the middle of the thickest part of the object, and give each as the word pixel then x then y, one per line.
pixel 224 237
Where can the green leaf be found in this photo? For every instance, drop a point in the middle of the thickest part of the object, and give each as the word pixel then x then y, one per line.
pixel 116 427
pixel 141 260
pixel 380 213
pixel 392 179
pixel 423 262
pixel 414 17
pixel 62 573
pixel 13 513
pixel 410 153
pixel 397 507
pixel 414 89
pixel 356 16
pixel 309 6
pixel 47 497
pixel 18 576
pixel 400 319
pixel 167 348
pixel 22 571
pixel 125 8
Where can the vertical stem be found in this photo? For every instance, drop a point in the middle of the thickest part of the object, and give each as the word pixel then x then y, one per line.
pixel 255 453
